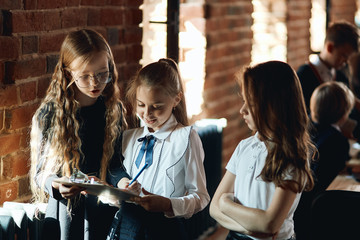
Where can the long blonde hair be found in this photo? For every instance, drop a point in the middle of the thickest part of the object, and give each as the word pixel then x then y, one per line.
pixel 55 128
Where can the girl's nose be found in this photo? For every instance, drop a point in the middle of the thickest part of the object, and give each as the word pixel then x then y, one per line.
pixel 147 111
pixel 242 109
pixel 93 81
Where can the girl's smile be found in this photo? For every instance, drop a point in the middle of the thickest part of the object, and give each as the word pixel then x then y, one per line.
pixel 154 106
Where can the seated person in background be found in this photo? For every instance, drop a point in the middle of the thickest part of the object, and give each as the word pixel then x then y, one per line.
pixel 330 106
pixel 341 41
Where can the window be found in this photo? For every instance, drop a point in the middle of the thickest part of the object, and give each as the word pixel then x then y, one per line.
pixel 269 28
pixel 192 45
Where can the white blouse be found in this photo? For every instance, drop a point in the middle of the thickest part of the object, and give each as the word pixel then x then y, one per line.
pixel 177 171
pixel 250 190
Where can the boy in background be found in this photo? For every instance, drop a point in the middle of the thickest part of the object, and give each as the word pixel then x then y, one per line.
pixel 330 106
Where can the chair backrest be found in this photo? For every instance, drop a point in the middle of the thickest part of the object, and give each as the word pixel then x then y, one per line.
pixel 335 215
pixel 210 132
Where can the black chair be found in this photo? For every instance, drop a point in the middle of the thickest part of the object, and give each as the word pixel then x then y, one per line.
pixel 50 229
pixel 334 215
pixel 210 132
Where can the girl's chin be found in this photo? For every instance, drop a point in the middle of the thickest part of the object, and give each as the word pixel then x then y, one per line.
pixel 152 127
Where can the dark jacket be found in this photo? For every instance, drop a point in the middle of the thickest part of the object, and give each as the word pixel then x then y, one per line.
pixel 333 152
pixel 89 218
pixel 310 80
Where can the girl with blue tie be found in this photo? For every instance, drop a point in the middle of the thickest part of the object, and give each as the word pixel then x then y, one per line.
pixel 169 155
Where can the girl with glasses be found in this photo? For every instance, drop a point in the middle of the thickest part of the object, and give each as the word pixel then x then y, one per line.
pixel 78 126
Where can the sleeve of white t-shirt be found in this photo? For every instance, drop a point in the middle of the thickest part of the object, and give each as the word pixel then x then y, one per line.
pixel 232 164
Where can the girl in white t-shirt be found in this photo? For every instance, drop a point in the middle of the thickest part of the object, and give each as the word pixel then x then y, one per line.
pixel 169 155
pixel 268 171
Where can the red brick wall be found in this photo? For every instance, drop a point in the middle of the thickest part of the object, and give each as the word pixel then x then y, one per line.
pixel 229 42
pixel 343 10
pixel 298 28
pixel 229 39
pixel 31 32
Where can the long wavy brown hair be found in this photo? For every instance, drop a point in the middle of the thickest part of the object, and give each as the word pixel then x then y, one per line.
pixel 274 93
pixel 55 141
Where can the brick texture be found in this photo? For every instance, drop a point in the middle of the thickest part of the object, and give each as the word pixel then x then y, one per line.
pixel 8 96
pixel 1 120
pixel 9 143
pixel 16 165
pixel 8 190
pixel 31 34
pixel 9 48
pixel 10 4
pixel 51 42
pixel 298 26
pixel 343 10
pixel 5 22
pixel 30 44
pixel 20 117
pixel 229 43
pixel 229 39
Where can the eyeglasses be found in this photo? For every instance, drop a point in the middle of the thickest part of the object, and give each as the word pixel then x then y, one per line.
pixel 85 80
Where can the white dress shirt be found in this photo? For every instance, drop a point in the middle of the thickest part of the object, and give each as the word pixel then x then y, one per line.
pixel 177 171
pixel 327 74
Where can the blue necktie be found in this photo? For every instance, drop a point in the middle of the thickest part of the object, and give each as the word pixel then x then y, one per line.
pixel 148 146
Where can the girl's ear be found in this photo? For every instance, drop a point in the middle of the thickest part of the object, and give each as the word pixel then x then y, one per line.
pixel 178 98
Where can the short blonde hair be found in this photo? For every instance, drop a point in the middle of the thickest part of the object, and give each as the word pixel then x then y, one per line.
pixel 330 102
